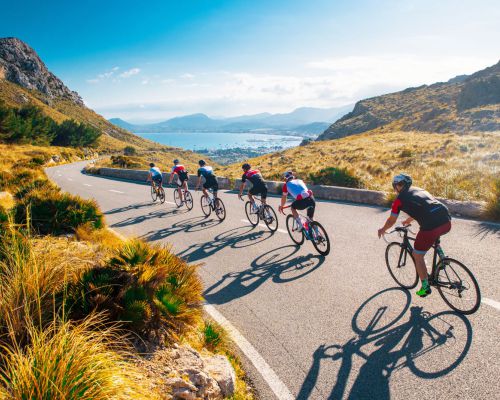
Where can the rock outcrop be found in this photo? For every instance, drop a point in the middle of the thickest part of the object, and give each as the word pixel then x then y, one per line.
pixel 463 104
pixel 20 64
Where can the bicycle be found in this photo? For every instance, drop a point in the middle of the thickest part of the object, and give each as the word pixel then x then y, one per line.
pixel 157 192
pixel 188 198
pixel 312 230
pixel 448 275
pixel 212 203
pixel 259 211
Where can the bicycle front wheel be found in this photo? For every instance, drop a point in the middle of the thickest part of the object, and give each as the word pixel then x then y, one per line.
pixel 189 200
pixel 177 198
pixel 294 230
pixel 401 265
pixel 320 239
pixel 154 194
pixel 457 286
pixel 205 205
pixel 220 209
pixel 161 195
pixel 270 218
pixel 252 215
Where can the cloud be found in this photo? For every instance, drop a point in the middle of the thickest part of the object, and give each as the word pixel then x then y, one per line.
pixel 93 81
pixel 187 75
pixel 103 76
pixel 129 73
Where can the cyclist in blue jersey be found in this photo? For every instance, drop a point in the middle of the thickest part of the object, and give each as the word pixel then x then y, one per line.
pixel 155 175
pixel 207 172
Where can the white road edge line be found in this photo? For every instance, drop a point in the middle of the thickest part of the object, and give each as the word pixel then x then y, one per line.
pixel 274 382
pixel 87 184
pixel 491 303
pixel 115 191
pixel 263 226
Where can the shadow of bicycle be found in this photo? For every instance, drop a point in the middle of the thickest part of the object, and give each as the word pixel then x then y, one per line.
pixel 388 339
pixel 194 224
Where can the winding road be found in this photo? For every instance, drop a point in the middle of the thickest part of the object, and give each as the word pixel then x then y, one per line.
pixel 323 328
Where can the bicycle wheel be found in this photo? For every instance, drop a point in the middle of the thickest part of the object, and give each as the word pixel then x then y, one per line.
pixel 177 198
pixel 294 231
pixel 220 209
pixel 154 194
pixel 398 263
pixel 189 200
pixel 270 218
pixel 252 215
pixel 320 239
pixel 457 286
pixel 205 205
pixel 161 195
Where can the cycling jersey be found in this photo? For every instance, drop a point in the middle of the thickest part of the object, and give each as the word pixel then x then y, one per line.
pixel 206 171
pixel 297 189
pixel 253 175
pixel 422 207
pixel 155 171
pixel 180 171
pixel 210 180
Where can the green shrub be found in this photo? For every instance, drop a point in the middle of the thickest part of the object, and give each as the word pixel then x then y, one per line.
pixel 214 336
pixel 130 151
pixel 125 162
pixel 336 177
pixel 53 212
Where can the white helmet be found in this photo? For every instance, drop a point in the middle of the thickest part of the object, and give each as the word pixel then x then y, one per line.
pixel 288 175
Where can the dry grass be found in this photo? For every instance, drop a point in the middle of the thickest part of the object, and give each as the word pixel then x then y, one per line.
pixel 447 165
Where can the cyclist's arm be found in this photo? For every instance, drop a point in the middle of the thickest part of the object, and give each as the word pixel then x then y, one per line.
pixel 198 183
pixel 171 177
pixel 408 221
pixel 395 209
pixel 149 177
pixel 242 187
pixel 283 202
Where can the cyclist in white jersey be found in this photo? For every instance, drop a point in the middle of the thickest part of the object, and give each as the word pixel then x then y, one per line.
pixel 303 197
pixel 210 180
pixel 155 175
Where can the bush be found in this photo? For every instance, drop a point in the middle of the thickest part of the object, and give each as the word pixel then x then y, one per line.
pixel 53 212
pixel 214 336
pixel 125 162
pixel 148 287
pixel 75 134
pixel 493 204
pixel 130 151
pixel 336 177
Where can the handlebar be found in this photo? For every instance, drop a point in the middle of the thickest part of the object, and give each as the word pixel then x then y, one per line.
pixel 400 230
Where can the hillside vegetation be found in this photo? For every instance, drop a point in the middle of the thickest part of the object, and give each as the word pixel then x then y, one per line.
pixel 448 165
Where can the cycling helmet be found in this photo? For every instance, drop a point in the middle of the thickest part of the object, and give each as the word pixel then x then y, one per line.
pixel 151 165
pixel 176 161
pixel 404 179
pixel 201 163
pixel 245 167
pixel 288 175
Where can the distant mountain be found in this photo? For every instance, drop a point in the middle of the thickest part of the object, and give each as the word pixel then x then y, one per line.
pixel 300 121
pixel 463 104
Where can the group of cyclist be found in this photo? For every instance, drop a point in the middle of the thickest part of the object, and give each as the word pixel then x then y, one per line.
pixel 432 216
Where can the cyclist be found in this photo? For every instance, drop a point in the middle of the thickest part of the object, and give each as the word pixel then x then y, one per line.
pixel 258 184
pixel 432 216
pixel 303 198
pixel 155 175
pixel 210 180
pixel 182 179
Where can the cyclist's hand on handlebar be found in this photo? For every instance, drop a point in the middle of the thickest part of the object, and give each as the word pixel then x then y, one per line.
pixel 381 232
pixel 407 222
pixel 280 209
pixel 240 196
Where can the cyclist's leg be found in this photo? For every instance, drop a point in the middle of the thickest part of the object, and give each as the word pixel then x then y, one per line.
pixel 263 194
pixel 185 187
pixel 215 187
pixel 205 188
pixel 311 208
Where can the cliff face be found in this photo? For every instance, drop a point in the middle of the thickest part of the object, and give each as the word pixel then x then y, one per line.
pixel 20 64
pixel 463 104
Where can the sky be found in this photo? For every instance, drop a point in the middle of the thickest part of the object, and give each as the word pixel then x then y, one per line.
pixel 152 60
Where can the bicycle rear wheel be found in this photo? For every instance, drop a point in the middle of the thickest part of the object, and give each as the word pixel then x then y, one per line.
pixel 320 239
pixel 397 258
pixel 154 195
pixel 295 231
pixel 457 286
pixel 177 198
pixel 189 200
pixel 205 205
pixel 161 195
pixel 252 215
pixel 270 218
pixel 220 209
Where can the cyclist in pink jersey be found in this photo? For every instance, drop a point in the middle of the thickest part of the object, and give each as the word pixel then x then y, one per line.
pixel 303 197
pixel 182 178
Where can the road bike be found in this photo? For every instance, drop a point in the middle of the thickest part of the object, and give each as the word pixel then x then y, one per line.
pixel 157 192
pixel 188 198
pixel 257 211
pixel 454 281
pixel 310 230
pixel 211 203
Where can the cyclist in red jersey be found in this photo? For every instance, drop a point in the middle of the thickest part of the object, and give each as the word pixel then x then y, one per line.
pixel 432 216
pixel 258 184
pixel 182 179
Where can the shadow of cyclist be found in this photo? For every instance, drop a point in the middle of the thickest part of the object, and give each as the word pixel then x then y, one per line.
pixel 387 348
pixel 193 224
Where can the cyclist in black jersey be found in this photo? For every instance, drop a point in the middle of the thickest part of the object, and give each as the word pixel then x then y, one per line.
pixel 258 184
pixel 210 180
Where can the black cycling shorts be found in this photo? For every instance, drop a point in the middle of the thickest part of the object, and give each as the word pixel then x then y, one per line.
pixel 183 176
pixel 158 179
pixel 259 189
pixel 211 183
pixel 302 204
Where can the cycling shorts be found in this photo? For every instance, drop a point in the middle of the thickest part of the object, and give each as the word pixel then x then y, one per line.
pixel 302 204
pixel 211 183
pixel 425 239
pixel 259 188
pixel 183 176
pixel 157 179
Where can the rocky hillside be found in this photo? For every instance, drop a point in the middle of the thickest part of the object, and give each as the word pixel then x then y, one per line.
pixel 462 105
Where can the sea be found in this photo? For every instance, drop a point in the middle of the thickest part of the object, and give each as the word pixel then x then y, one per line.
pixel 223 140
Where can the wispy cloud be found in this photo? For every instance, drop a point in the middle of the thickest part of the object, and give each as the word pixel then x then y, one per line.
pixel 104 76
pixel 187 75
pixel 129 73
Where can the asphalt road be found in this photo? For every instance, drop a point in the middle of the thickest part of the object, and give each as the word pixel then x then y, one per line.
pixel 334 327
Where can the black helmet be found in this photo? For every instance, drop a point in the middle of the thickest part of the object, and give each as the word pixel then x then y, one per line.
pixel 404 179
pixel 201 163
pixel 176 161
pixel 151 165
pixel 288 175
pixel 246 166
